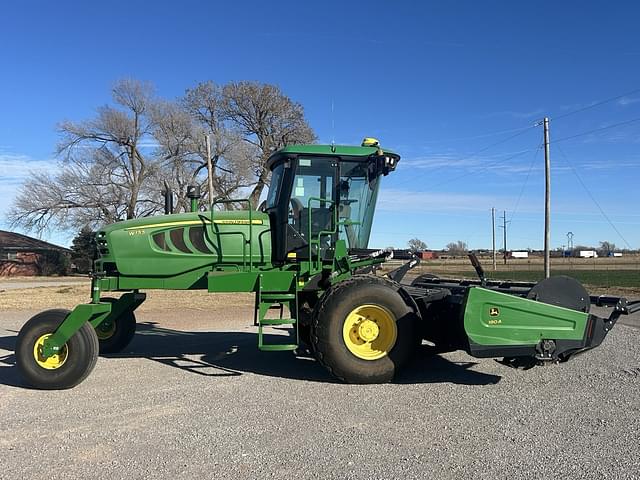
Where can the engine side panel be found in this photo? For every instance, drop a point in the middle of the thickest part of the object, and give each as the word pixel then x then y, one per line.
pixel 172 245
pixel 498 319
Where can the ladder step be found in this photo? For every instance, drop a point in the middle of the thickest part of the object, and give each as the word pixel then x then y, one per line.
pixel 278 321
pixel 278 348
pixel 276 297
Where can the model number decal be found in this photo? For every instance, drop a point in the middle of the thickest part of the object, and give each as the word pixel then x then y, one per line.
pixel 236 222
pixel 139 231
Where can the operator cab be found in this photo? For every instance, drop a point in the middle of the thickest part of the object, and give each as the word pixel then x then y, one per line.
pixel 322 193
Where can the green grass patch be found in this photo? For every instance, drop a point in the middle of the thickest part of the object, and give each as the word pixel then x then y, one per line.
pixel 597 278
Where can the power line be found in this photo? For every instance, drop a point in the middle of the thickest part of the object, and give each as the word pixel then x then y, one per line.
pixel 533 161
pixel 596 130
pixel 597 104
pixel 552 118
pixel 430 172
pixel 482 135
pixel 593 198
pixel 483 168
pixel 521 131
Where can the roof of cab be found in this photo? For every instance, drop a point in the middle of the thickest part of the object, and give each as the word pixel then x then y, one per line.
pixel 328 150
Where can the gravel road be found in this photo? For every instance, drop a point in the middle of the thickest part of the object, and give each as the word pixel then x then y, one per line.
pixel 186 401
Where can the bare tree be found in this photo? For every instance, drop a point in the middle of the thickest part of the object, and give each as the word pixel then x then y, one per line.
pixel 606 248
pixel 230 155
pixel 80 193
pixel 103 175
pixel 268 120
pixel 457 248
pixel 179 166
pixel 107 173
pixel 416 245
pixel 118 134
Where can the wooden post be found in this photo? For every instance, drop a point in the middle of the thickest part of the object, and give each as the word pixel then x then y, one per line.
pixel 209 172
pixel 547 199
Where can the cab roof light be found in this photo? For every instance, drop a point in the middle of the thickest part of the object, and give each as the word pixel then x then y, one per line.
pixel 370 142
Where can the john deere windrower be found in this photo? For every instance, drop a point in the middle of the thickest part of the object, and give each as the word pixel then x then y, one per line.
pixel 305 248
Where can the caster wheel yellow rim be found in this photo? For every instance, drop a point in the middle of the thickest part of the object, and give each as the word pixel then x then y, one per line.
pixel 54 361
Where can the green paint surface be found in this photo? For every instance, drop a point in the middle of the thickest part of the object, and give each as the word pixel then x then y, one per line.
pixel 494 318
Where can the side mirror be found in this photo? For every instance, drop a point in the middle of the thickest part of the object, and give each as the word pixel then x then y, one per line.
pixel 382 164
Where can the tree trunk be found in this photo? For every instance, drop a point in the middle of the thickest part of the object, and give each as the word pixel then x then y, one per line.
pixel 257 190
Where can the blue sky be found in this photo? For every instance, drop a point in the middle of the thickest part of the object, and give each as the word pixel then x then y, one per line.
pixel 435 81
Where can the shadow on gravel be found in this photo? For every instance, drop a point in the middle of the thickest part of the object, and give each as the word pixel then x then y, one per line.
pixel 222 354
pixel 8 372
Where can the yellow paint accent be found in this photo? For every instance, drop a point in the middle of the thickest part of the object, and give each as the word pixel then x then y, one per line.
pixel 292 255
pixel 169 224
pixel 370 142
pixel 237 222
pixel 370 331
pixel 54 361
pixel 198 222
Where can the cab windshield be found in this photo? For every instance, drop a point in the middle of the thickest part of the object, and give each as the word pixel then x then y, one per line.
pixel 357 201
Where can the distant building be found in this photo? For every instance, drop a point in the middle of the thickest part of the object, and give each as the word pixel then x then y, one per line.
pixel 518 254
pixel 428 255
pixel 588 254
pixel 23 255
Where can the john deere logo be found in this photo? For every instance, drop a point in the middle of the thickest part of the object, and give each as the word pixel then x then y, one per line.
pixel 494 311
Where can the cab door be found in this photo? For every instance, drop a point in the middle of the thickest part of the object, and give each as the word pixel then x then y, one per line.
pixel 301 206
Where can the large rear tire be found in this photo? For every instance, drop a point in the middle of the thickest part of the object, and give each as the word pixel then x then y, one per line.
pixel 364 330
pixel 115 335
pixel 69 367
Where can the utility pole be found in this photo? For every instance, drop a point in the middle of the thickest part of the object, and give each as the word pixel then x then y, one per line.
pixel 209 172
pixel 504 227
pixel 493 231
pixel 547 199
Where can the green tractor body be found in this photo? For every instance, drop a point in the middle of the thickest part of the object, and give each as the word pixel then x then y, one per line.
pixel 306 248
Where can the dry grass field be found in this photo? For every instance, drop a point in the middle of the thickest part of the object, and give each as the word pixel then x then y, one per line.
pixel 68 296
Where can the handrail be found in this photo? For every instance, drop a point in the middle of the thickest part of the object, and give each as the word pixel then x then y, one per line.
pixel 245 241
pixel 321 233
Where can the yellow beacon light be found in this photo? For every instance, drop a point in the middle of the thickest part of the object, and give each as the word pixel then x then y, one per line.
pixel 370 142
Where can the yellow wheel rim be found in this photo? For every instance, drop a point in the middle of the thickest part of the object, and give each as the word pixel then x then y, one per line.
pixel 54 361
pixel 105 330
pixel 370 332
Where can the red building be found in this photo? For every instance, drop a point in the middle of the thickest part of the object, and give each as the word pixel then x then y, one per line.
pixel 428 255
pixel 23 255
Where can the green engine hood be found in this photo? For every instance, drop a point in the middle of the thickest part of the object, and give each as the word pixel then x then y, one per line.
pixel 174 244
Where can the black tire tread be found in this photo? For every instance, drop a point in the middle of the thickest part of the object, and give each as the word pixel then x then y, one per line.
pixel 125 332
pixel 337 290
pixel 86 335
